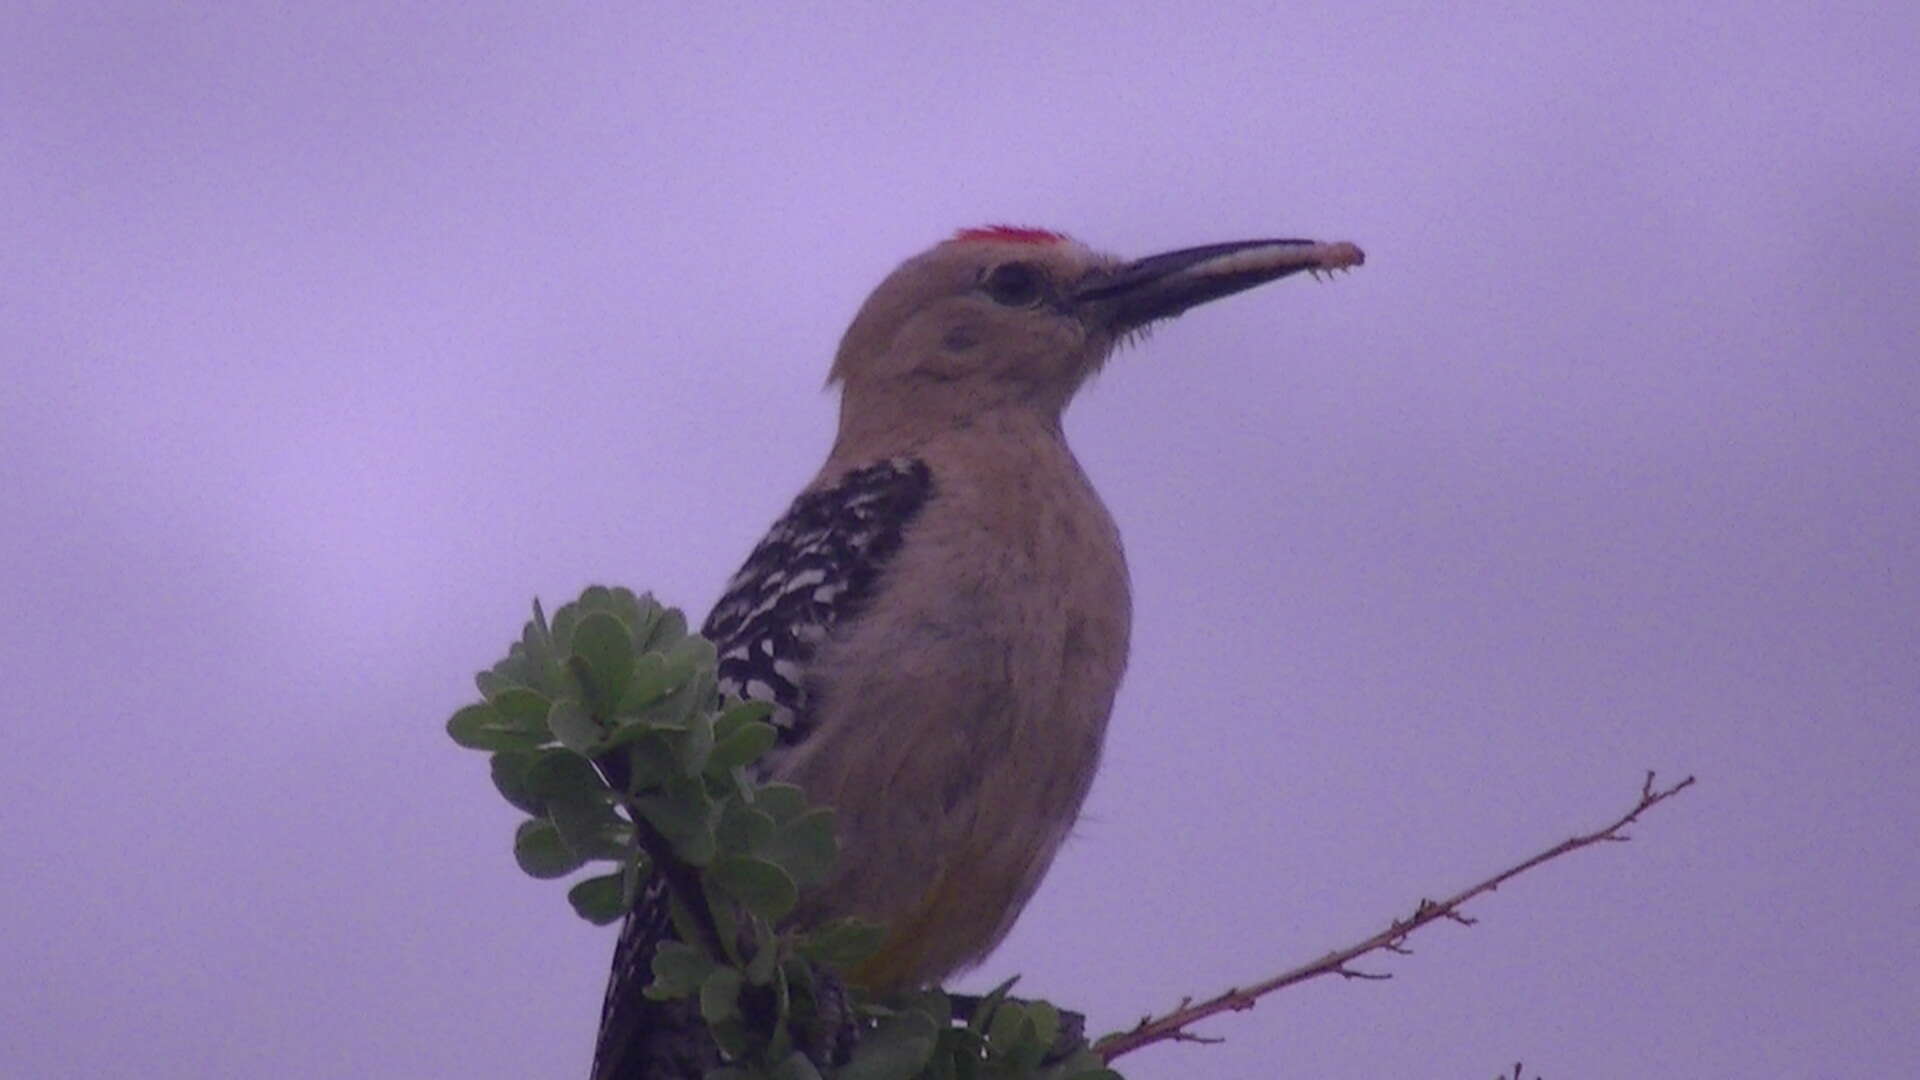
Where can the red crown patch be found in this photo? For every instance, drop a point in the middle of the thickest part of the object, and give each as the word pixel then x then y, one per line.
pixel 1011 234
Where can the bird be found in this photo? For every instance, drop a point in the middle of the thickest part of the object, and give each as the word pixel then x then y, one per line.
pixel 940 620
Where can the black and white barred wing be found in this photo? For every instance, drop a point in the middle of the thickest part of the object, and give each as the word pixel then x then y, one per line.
pixel 818 565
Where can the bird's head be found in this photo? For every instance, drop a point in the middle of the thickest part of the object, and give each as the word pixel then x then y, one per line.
pixel 1006 316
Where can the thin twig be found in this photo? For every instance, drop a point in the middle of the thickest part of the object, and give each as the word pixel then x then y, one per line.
pixel 1172 1026
pixel 682 880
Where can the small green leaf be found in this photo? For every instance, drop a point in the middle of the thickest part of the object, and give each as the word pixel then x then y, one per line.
pixel 742 746
pixel 691 693
pixel 479 727
pixel 625 604
pixel 680 916
pixel 720 995
pixel 682 807
pixel 799 974
pixel 743 829
pixel 598 899
pixel 695 745
pixel 541 853
pixel 726 922
pixel 782 802
pixel 523 708
pixel 1009 1028
pixel 990 1002
pixel 679 969
pixel 842 943
pixel 667 631
pixel 766 958
pixel 490 682
pixel 730 1036
pixel 517 667
pixel 935 1003
pixel 536 643
pixel 559 773
pixel 514 669
pixel 576 728
pixel 604 642
pixel 949 1049
pixel 762 887
pixel 650 762
pixel 739 712
pixel 895 1050
pixel 590 828
pixel 564 621
pixel 684 813
pixel 646 616
pixel 1020 1033
pixel 697 849
pixel 805 846
pixel 646 684
pixel 509 769
pixel 691 654
pixel 1046 1022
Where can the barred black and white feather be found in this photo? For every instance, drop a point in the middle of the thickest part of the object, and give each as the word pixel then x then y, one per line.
pixel 817 567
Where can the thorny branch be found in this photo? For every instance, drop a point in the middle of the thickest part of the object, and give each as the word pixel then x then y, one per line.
pixel 1172 1027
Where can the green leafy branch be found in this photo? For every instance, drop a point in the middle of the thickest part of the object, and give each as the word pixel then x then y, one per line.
pixel 605 727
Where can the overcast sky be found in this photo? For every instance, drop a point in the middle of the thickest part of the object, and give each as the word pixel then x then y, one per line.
pixel 331 334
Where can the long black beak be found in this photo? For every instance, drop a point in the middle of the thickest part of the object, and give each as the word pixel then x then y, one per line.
pixel 1161 286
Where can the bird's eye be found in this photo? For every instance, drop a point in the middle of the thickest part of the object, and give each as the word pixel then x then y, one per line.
pixel 1013 284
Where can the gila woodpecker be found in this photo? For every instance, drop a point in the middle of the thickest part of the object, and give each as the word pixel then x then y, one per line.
pixel 940 619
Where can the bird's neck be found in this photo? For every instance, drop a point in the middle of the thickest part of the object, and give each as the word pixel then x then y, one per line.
pixel 874 427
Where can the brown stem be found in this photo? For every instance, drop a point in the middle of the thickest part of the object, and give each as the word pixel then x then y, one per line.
pixel 1172 1026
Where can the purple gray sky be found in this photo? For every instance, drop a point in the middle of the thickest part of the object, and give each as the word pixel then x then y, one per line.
pixel 333 333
